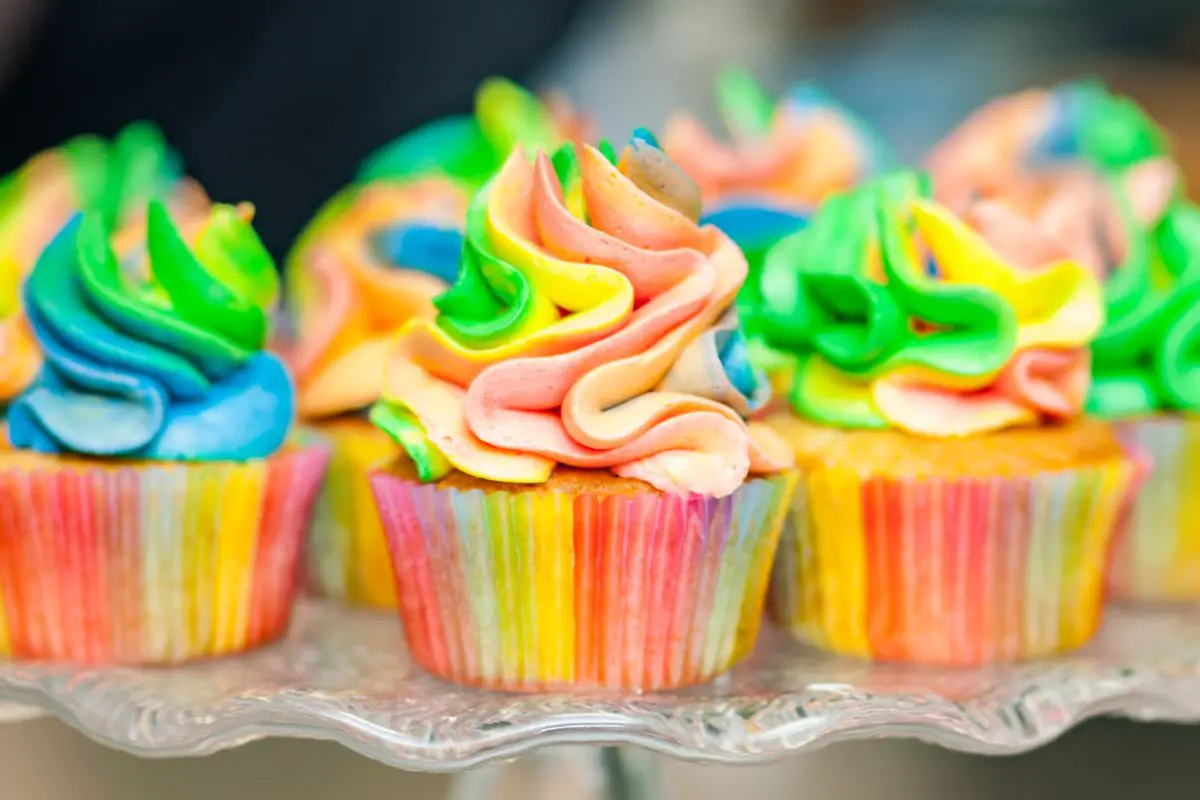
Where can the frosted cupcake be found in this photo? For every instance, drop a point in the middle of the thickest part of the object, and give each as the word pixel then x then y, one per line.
pixel 114 179
pixel 783 158
pixel 374 258
pixel 151 510
pixel 1109 194
pixel 954 506
pixel 581 502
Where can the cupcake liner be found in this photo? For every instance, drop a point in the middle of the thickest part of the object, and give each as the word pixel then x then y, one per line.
pixel 1156 557
pixel 348 557
pixel 103 563
pixel 536 590
pixel 948 571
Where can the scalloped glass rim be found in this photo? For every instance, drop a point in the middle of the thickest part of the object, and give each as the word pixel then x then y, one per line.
pixel 344 675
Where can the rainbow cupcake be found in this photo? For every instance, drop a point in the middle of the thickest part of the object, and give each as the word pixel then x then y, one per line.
pixel 1104 187
pixel 376 256
pixel 784 158
pixel 113 179
pixel 954 507
pixel 151 510
pixel 581 503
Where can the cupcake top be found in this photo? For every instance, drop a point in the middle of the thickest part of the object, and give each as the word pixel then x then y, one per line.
pixel 36 201
pixel 383 248
pixel 783 158
pixel 591 326
pixel 897 314
pixel 156 351
pixel 1093 175
pixel 1039 129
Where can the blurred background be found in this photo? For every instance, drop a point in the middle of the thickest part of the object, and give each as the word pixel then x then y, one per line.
pixel 276 102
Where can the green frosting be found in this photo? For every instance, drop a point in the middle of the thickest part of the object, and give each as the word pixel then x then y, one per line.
pixel 820 303
pixel 1146 358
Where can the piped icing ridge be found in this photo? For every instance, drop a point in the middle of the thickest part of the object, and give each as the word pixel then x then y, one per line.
pixel 382 249
pixel 1091 171
pixel 156 352
pixel 591 326
pixel 1077 122
pixel 782 159
pixel 898 314
pixel 112 179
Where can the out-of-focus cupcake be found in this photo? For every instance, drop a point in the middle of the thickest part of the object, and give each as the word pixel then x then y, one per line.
pixel 954 506
pixel 151 507
pixel 581 502
pixel 113 179
pixel 783 158
pixel 375 257
pixel 1100 181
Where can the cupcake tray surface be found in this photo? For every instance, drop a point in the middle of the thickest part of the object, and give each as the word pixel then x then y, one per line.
pixel 344 675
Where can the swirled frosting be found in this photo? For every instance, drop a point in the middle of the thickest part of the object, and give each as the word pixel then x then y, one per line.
pixel 1079 122
pixel 155 353
pixel 382 249
pixel 782 159
pixel 900 315
pixel 592 326
pixel 1090 171
pixel 112 179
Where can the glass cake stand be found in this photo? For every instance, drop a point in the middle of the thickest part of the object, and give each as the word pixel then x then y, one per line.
pixel 344 675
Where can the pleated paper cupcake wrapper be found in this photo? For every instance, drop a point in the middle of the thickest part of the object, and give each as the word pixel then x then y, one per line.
pixel 956 572
pixel 1156 557
pixel 537 590
pixel 149 563
pixel 347 554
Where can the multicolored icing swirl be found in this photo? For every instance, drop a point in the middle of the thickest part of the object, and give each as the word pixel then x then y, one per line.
pixel 591 326
pixel 37 200
pixel 383 248
pixel 1091 172
pixel 784 158
pixel 897 314
pixel 1078 122
pixel 156 353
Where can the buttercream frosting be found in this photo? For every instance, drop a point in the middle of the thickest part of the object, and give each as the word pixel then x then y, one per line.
pixel 155 352
pixel 1091 171
pixel 783 157
pixel 591 325
pixel 898 314
pixel 113 179
pixel 382 249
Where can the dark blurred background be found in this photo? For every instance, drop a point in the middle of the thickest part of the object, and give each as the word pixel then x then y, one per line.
pixel 276 102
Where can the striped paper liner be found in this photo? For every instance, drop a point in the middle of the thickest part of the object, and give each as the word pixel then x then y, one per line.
pixel 107 563
pixel 537 590
pixel 948 571
pixel 347 556
pixel 1157 553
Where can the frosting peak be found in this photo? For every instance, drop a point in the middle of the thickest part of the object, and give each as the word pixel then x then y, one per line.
pixel 898 314
pixel 155 354
pixel 591 326
pixel 380 251
pixel 111 179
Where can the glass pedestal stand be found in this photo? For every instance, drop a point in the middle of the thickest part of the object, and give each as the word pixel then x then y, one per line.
pixel 344 675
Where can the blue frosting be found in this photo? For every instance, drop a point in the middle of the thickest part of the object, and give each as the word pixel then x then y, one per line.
pixel 113 388
pixel 755 226
pixel 415 245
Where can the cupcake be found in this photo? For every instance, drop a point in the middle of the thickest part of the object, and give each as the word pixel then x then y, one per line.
pixel 1110 194
pixel 784 157
pixel 114 179
pixel 375 257
pixel 152 506
pixel 954 506
pixel 580 502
